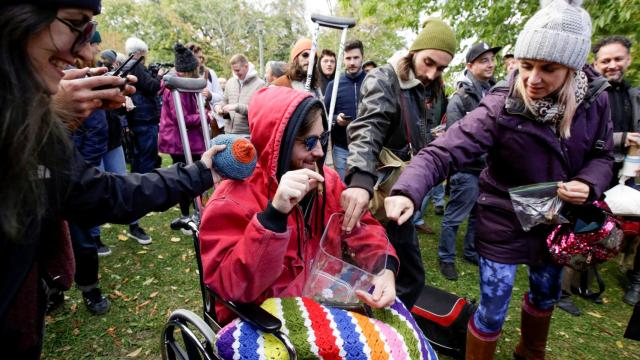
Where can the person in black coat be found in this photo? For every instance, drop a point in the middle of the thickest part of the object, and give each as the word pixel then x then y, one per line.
pixel 43 180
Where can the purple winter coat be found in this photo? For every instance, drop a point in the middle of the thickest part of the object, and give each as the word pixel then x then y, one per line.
pixel 521 151
pixel 169 135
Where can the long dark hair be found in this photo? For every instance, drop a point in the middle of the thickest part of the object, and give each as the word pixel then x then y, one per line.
pixel 298 73
pixel 34 145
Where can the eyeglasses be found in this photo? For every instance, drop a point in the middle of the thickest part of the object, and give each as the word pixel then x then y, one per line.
pixel 311 141
pixel 84 34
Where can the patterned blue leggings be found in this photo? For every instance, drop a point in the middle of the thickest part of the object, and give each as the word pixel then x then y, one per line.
pixel 496 285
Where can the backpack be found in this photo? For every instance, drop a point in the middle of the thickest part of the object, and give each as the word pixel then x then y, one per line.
pixel 443 318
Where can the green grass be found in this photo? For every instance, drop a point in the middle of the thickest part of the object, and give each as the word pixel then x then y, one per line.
pixel 146 283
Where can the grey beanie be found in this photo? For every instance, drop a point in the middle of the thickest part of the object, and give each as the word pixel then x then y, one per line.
pixel 559 32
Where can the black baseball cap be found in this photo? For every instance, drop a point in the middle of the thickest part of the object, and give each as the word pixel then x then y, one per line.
pixel 479 49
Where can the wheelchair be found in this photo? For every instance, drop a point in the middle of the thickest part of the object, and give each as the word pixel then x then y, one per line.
pixel 187 335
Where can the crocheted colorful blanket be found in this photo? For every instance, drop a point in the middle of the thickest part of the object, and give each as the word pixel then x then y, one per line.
pixel 320 332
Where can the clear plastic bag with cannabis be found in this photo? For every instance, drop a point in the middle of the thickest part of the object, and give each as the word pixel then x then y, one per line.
pixel 537 204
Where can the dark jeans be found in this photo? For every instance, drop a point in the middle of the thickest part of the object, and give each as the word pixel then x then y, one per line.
pixel 410 279
pixel 464 193
pixel 145 147
pixel 85 252
pixel 185 202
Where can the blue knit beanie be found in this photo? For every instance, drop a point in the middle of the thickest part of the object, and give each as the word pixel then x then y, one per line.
pixel 238 160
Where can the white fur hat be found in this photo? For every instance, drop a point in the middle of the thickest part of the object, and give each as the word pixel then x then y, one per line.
pixel 559 32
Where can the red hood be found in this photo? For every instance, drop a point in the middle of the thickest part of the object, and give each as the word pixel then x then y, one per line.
pixel 269 112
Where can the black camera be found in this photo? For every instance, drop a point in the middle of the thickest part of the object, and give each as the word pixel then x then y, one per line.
pixel 154 68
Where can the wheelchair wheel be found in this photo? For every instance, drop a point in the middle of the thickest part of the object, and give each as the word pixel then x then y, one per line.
pixel 187 337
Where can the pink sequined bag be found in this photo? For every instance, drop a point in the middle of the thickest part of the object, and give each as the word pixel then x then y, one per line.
pixel 592 236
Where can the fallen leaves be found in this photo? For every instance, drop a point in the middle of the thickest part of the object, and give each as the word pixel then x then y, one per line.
pixel 175 239
pixel 134 353
pixel 122 237
pixel 141 305
pixel 594 314
pixel 112 331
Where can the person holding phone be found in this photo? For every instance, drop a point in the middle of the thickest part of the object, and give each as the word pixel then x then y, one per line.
pixel 347 101
pixel 43 180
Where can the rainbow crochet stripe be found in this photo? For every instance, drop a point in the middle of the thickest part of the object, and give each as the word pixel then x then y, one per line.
pixel 320 332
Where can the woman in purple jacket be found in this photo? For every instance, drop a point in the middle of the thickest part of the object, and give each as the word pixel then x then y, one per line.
pixel 551 122
pixel 169 135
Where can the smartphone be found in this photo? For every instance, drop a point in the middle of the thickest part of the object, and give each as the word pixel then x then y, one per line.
pixel 119 72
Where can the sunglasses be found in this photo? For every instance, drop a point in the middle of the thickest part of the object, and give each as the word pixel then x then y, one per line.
pixel 305 54
pixel 311 141
pixel 84 34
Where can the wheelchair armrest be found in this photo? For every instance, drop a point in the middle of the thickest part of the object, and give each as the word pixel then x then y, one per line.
pixel 253 314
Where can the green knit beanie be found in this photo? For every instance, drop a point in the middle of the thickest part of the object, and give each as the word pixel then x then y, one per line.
pixel 437 35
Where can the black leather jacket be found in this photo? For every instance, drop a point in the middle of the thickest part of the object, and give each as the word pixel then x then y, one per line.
pixel 379 122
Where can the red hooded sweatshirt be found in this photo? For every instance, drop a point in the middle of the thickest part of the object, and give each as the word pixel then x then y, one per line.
pixel 243 260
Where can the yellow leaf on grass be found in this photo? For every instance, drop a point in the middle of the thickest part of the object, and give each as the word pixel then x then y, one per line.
pixel 148 281
pixel 160 257
pixel 141 252
pixel 594 314
pixel 111 331
pixel 134 353
pixel 175 239
pixel 122 237
pixel 619 344
pixel 153 294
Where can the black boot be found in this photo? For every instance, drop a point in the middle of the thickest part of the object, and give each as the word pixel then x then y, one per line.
pixel 632 296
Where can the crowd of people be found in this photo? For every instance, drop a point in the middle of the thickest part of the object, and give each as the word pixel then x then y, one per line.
pixel 68 133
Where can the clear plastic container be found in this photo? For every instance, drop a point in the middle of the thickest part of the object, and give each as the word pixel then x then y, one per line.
pixel 345 262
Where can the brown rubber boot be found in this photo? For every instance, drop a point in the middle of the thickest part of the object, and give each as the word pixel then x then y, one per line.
pixel 477 348
pixel 534 329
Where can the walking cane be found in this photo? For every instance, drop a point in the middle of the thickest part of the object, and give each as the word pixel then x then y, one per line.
pixel 179 85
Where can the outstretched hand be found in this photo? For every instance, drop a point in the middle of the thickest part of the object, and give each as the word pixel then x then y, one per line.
pixel 207 159
pixel 384 291
pixel 399 208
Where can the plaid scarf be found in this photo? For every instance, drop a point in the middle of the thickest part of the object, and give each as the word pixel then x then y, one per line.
pixel 548 110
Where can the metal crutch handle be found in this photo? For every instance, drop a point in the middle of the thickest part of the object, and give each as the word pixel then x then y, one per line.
pixel 181 84
pixel 334 22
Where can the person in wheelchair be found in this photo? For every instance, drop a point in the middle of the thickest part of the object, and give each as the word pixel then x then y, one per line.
pixel 259 236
